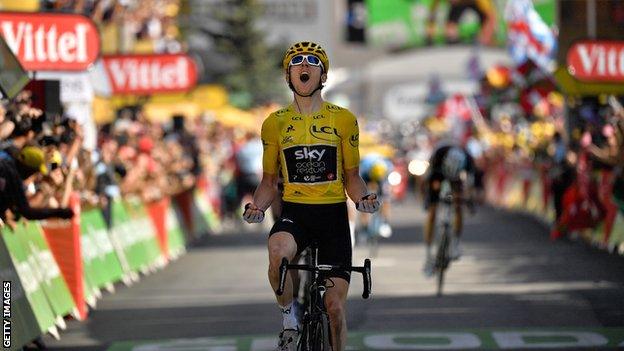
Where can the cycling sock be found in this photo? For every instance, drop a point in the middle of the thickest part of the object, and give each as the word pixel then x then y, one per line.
pixel 428 251
pixel 290 318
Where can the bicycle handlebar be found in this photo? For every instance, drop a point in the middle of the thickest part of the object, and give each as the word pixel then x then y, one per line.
pixel 364 270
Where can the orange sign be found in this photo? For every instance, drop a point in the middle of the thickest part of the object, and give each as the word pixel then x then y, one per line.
pixel 51 42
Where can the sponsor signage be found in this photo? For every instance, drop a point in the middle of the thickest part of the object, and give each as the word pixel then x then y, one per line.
pixel 51 42
pixel 148 74
pixel 597 61
pixel 543 339
pixel 311 163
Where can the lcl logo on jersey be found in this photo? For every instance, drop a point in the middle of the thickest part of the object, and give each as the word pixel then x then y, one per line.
pixel 354 140
pixel 309 154
pixel 324 132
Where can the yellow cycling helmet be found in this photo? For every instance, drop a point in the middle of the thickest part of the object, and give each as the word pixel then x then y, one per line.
pixel 306 47
pixel 378 172
pixel 34 158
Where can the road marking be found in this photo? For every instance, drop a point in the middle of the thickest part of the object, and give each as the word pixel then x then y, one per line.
pixel 484 339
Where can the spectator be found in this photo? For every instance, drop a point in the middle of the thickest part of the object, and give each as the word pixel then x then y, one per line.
pixel 249 166
pixel 14 169
pixel 562 172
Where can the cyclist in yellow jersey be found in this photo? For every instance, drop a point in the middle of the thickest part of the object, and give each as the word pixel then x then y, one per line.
pixel 314 146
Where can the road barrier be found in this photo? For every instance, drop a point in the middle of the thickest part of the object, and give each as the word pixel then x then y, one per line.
pixel 533 196
pixel 56 268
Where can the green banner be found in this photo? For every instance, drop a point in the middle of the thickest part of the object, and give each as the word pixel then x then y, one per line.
pixel 99 257
pixel 136 234
pixel 175 235
pixel 25 265
pixel 50 276
pixel 617 236
pixel 142 222
pixel 22 321
pixel 205 215
pixel 403 23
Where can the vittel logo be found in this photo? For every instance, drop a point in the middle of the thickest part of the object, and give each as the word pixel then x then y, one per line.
pixel 309 154
pixel 150 73
pixel 597 60
pixel 39 44
pixel 51 41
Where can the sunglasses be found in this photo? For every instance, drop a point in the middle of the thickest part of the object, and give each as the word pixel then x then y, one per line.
pixel 312 60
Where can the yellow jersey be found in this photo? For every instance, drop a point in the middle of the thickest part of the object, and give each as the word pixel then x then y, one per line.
pixel 312 152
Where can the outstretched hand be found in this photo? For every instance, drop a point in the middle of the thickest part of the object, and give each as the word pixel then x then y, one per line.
pixel 253 214
pixel 368 204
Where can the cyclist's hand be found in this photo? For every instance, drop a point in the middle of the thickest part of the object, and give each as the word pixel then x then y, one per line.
pixel 368 204
pixel 253 214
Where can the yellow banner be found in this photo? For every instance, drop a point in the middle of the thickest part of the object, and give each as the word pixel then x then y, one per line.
pixel 19 5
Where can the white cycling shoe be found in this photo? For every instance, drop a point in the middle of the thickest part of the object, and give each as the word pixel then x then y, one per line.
pixel 288 339
pixel 455 251
pixel 429 267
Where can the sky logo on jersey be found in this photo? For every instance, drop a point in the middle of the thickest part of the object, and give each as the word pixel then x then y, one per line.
pixel 309 154
pixel 311 163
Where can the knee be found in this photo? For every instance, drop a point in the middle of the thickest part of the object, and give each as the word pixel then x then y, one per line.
pixel 279 250
pixel 335 309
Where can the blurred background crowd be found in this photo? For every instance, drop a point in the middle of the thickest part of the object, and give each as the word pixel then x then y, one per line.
pixel 515 111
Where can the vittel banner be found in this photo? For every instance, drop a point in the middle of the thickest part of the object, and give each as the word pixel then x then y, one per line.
pixel 148 74
pixel 595 61
pixel 51 42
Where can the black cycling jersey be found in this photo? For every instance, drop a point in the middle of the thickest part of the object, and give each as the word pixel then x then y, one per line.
pixel 435 173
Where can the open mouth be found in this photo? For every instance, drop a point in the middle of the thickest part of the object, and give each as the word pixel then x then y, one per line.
pixel 304 77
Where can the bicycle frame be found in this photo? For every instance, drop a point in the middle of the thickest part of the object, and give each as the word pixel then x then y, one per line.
pixel 315 334
pixel 443 259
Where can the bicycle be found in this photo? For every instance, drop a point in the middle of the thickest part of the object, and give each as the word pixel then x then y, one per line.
pixel 315 333
pixel 443 257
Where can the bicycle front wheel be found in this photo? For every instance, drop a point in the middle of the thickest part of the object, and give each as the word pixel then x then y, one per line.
pixel 320 337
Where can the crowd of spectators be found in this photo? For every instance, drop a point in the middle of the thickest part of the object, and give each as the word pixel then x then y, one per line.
pixel 579 164
pixel 141 21
pixel 135 158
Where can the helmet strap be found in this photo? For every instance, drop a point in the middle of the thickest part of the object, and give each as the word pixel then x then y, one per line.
pixel 292 87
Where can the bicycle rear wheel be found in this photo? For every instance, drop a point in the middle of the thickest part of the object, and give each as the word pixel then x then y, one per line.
pixel 442 260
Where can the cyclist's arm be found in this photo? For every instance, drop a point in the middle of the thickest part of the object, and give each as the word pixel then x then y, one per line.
pixel 354 184
pixel 266 191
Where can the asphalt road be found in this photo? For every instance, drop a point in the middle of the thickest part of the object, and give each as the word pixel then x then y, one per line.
pixel 512 289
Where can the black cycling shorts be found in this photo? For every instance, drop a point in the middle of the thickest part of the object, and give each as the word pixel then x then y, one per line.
pixel 433 195
pixel 327 224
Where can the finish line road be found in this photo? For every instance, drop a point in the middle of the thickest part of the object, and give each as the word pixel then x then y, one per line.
pixel 512 290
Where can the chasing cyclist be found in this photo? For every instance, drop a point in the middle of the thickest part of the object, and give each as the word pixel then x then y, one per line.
pixel 455 165
pixel 374 169
pixel 315 147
